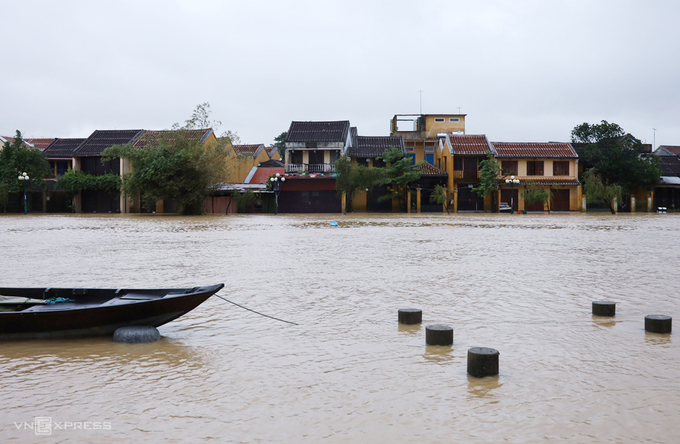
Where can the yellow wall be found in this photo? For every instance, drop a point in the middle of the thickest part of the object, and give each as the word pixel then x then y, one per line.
pixel 432 127
pixel 240 165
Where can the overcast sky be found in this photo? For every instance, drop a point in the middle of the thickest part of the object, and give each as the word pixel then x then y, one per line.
pixel 522 71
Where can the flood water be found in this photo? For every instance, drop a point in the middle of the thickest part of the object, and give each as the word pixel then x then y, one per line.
pixel 349 373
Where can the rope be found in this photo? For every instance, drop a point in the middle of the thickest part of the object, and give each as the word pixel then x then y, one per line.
pixel 257 312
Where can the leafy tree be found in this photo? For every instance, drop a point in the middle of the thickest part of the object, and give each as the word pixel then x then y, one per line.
pixel 398 174
pixel 534 195
pixel 438 196
pixel 350 179
pixel 75 181
pixel 280 143
pixel 201 119
pixel 16 158
pixel 596 190
pixel 490 180
pixel 174 166
pixel 616 156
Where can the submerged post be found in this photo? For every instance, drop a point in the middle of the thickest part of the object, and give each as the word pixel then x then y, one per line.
pixel 603 308
pixel 658 323
pixel 482 361
pixel 438 335
pixel 410 316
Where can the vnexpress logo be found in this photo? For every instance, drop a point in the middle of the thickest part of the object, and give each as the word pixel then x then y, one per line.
pixel 43 425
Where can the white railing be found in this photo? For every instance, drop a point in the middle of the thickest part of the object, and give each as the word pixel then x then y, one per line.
pixel 315 168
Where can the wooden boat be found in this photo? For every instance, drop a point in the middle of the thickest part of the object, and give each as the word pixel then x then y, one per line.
pixel 47 313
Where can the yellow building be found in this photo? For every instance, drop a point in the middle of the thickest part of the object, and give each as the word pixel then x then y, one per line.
pixel 242 159
pixel 539 166
pixel 421 132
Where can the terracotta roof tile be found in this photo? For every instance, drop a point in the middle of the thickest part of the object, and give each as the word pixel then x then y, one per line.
pixel 249 150
pixel 40 143
pixel 469 144
pixel 263 173
pixel 534 150
pixel 428 170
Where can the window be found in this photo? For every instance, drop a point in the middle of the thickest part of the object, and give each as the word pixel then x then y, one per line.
pixel 440 119
pixel 534 167
pixel 429 149
pixel 561 168
pixel 409 149
pixel 458 164
pixel 454 119
pixel 509 167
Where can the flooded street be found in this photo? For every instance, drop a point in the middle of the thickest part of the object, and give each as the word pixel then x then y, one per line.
pixel 349 373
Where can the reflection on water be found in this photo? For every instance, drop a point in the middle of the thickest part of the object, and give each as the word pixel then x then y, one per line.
pixel 520 284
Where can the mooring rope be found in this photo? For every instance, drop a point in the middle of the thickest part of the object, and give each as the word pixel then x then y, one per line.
pixel 257 312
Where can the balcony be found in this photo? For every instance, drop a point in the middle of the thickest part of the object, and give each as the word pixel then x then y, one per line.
pixel 310 168
pixel 460 174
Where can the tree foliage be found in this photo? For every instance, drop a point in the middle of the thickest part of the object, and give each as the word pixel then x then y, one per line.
pixel 173 166
pixel 16 158
pixel 596 190
pixel 616 156
pixel 201 119
pixel 490 179
pixel 398 174
pixel 350 179
pixel 280 143
pixel 76 181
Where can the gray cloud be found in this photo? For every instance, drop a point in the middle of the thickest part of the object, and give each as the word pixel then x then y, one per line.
pixel 521 70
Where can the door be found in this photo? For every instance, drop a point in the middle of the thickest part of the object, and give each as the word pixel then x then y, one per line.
pixel 560 200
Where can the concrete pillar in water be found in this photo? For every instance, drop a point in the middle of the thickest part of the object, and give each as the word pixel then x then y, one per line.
pixel 658 323
pixel 632 204
pixel 410 316
pixel 418 193
pixel 482 361
pixel 603 308
pixel 438 335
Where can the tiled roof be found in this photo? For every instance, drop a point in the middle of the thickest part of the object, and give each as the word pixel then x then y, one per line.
pixel 249 150
pixel 271 151
pixel 375 146
pixel 469 144
pixel 670 165
pixel 263 173
pixel 318 131
pixel 272 163
pixel 62 148
pixel 428 170
pixel 148 137
pixel 102 139
pixel 664 150
pixel 11 140
pixel 543 180
pixel 534 150
pixel 41 143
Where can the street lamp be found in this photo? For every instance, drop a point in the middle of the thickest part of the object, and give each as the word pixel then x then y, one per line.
pixel 23 178
pixel 511 182
pixel 277 180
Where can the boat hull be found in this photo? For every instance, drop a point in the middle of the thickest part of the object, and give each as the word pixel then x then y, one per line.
pixel 96 312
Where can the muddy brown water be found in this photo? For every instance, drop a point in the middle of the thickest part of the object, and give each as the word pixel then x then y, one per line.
pixel 349 372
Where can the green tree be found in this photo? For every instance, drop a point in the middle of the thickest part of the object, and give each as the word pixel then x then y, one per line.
pixel 201 118
pixel 490 180
pixel 398 174
pixel 438 196
pixel 280 143
pixel 596 190
pixel 177 166
pixel 538 195
pixel 15 158
pixel 350 179
pixel 616 156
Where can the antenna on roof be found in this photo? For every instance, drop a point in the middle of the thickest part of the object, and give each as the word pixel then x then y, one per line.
pixel 421 100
